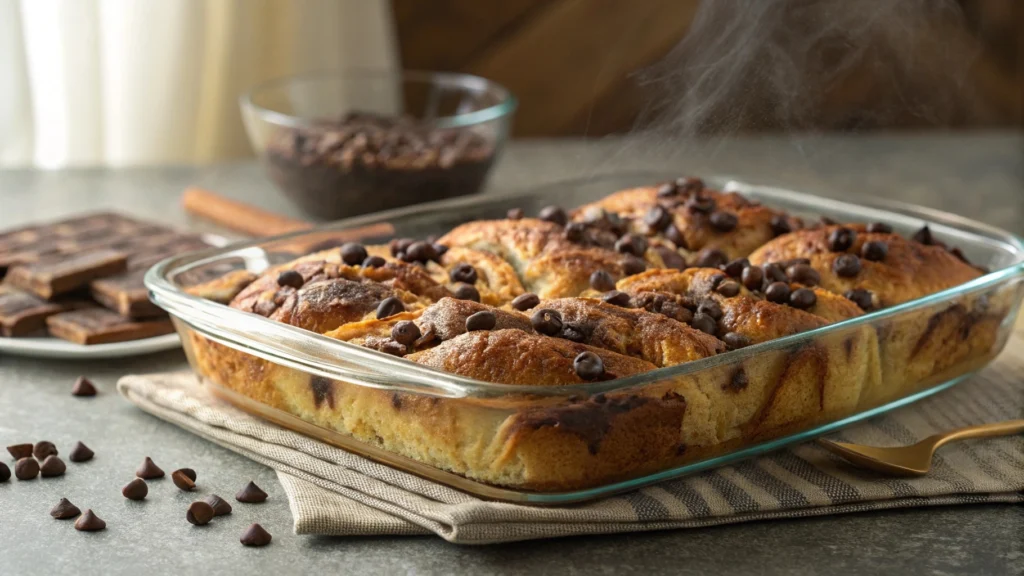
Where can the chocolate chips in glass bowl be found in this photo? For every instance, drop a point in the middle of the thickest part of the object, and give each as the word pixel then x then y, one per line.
pixel 367 162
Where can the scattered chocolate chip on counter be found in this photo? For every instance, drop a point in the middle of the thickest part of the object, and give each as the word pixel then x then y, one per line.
pixel 52 466
pixel 149 470
pixel 26 469
pixel 89 522
pixel 219 505
pixel 42 449
pixel 19 451
pixel 137 489
pixel 184 479
pixel 251 494
pixel 81 453
pixel 199 513
pixel 255 535
pixel 64 510
pixel 5 472
pixel 83 387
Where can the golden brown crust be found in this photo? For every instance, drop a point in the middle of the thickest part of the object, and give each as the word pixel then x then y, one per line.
pixel 514 357
pixel 753 226
pixel 910 269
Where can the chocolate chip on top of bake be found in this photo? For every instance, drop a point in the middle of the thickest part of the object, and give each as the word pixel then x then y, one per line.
pixel 545 262
pixel 694 217
pixel 755 316
pixel 893 269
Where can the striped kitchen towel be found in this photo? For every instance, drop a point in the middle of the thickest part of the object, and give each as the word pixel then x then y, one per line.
pixel 333 492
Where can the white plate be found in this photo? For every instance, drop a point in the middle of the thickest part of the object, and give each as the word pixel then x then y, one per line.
pixel 48 347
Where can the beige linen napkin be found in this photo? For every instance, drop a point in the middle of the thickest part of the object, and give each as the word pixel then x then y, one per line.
pixel 333 492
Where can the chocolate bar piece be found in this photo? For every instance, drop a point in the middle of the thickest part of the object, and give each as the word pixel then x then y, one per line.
pixel 22 313
pixel 60 275
pixel 125 294
pixel 102 326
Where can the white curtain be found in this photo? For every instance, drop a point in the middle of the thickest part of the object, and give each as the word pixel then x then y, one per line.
pixel 129 82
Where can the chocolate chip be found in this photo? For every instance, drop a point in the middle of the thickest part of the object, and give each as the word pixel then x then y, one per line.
pixel 728 288
pixel 676 312
pixel 89 522
pixel 711 308
pixel 553 214
pixel 290 278
pixel 803 274
pixel 251 494
pixel 389 307
pixel 52 466
pixel 64 510
pixel 83 387
pixel 846 265
pixel 860 297
pixel 704 323
pixel 394 348
pixel 631 244
pixel 19 451
pixel 710 258
pixel 42 449
pixel 774 273
pixel 735 267
pixel 803 298
pixel 255 535
pixel 575 332
pixel 515 214
pixel 199 513
pixel 701 203
pixel 632 265
pixel 135 490
pixel 184 479
pixel 575 232
pixel 80 453
pixel 752 277
pixel 657 218
pixel 667 189
pixel 353 253
pixel 840 239
pixel 547 321
pixel 420 252
pixel 219 505
pixel 675 236
pixel 5 472
pixel 26 469
pixel 879 228
pixel 466 292
pixel 602 281
pixel 463 272
pixel 374 262
pixel 670 258
pixel 398 246
pixel 723 221
pixel 482 320
pixel 777 292
pixel 588 365
pixel 735 340
pixel 405 332
pixel 439 249
pixel 689 185
pixel 924 236
pixel 780 225
pixel 874 250
pixel 149 470
pixel 616 298
pixel 524 302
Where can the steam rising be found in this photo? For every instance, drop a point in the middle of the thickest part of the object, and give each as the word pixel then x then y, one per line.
pixel 806 64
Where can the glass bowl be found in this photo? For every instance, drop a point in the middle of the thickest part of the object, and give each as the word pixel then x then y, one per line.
pixel 347 143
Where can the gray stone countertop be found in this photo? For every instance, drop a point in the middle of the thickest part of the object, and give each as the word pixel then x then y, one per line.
pixel 980 175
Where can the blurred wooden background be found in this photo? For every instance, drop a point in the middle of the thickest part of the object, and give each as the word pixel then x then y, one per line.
pixel 573 63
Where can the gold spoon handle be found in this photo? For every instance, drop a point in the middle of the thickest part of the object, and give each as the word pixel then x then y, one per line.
pixel 1007 428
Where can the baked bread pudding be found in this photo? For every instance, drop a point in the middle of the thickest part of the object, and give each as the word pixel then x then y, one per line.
pixel 644 279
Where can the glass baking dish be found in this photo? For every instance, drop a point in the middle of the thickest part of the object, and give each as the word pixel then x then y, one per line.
pixel 794 388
